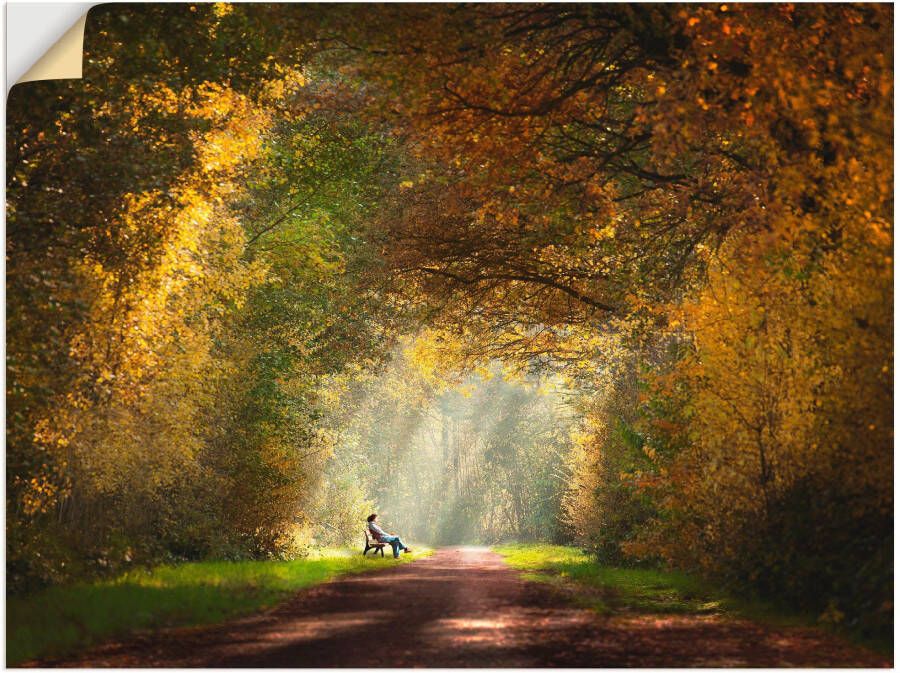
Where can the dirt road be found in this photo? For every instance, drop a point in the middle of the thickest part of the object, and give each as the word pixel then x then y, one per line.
pixel 463 607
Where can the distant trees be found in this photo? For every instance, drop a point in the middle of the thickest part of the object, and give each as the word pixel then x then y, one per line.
pixel 478 460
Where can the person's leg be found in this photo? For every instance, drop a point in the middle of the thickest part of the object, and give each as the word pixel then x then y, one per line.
pixel 400 543
pixel 394 541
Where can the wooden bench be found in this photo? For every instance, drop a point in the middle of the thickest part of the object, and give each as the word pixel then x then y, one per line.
pixel 372 543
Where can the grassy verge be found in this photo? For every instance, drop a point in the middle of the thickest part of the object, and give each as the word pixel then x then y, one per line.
pixel 610 590
pixel 65 619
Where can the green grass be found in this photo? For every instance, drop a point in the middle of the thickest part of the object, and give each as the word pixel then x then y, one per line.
pixel 611 590
pixel 64 619
pixel 608 589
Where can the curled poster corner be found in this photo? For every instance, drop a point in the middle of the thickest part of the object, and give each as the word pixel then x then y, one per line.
pixel 63 60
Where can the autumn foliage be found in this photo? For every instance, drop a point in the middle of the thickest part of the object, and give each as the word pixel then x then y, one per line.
pixel 680 213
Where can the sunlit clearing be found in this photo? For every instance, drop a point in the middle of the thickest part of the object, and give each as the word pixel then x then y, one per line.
pixel 446 457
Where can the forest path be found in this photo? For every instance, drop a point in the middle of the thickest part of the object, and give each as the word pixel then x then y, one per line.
pixel 464 607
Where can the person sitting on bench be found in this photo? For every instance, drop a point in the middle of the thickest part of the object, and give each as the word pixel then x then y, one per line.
pixel 381 536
